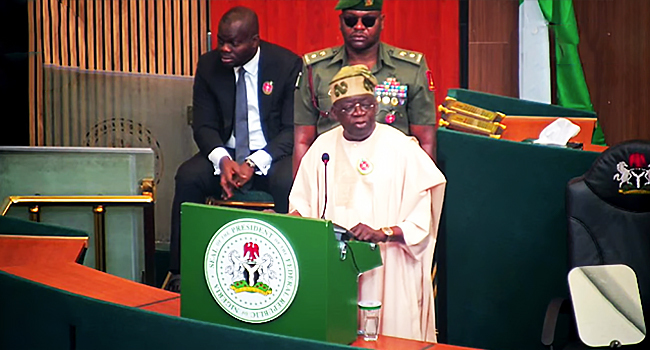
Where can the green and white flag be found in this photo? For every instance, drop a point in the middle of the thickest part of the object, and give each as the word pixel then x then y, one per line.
pixel 572 91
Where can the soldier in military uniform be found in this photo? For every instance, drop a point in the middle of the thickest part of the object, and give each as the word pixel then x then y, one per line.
pixel 405 92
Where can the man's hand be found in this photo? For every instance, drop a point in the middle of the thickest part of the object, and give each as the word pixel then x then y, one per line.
pixel 229 169
pixel 363 232
pixel 243 174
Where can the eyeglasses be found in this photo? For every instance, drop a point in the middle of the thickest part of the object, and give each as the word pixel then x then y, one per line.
pixel 368 21
pixel 349 109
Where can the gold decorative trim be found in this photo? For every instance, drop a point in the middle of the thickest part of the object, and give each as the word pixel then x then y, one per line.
pixel 242 204
pixel 147 187
pixel 62 200
pixel 451 106
pixel 100 204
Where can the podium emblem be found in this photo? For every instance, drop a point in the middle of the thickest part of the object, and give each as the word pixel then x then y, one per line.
pixel 251 270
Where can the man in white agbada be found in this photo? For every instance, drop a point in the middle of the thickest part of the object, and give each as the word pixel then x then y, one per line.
pixel 385 189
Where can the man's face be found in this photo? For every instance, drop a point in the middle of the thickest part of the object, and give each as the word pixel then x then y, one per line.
pixel 357 116
pixel 236 44
pixel 361 29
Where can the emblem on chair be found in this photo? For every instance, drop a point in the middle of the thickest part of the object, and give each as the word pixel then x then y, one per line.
pixel 635 177
pixel 251 270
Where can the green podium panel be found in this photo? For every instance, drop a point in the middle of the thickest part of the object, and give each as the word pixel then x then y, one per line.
pixel 271 273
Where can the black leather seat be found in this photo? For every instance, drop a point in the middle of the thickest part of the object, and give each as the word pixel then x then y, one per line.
pixel 608 212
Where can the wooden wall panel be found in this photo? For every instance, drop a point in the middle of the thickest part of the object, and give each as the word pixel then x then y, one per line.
pixel 98 19
pixel 55 33
pixel 142 36
pixel 493 47
pixel 36 132
pixel 47 53
pixel 134 42
pixel 151 36
pixel 159 37
pixel 119 56
pixel 31 69
pixel 137 36
pixel 185 14
pixel 73 25
pixel 64 39
pixel 134 36
pixel 167 37
pixel 614 50
pixel 204 26
pixel 194 14
pixel 90 35
pixel 176 37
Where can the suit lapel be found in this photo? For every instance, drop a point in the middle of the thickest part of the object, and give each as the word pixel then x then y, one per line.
pixel 225 84
pixel 265 75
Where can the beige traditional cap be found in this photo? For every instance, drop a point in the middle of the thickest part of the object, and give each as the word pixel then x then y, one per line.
pixel 352 81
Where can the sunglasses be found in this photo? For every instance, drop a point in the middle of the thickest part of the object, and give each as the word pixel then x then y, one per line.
pixel 368 21
pixel 349 108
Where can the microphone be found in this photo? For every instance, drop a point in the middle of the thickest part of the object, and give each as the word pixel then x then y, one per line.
pixel 325 158
pixel 342 234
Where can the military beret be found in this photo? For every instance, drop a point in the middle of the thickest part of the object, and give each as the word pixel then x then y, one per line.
pixel 362 5
pixel 352 81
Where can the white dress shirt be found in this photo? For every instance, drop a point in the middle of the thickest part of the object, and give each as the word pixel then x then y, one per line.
pixel 256 138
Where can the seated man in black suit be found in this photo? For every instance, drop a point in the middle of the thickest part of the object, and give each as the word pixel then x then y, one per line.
pixel 244 87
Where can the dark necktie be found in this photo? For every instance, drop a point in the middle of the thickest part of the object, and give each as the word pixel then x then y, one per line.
pixel 242 149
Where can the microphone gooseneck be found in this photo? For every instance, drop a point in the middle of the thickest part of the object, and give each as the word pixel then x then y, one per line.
pixel 325 158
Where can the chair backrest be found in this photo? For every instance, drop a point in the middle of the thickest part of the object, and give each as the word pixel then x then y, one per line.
pixel 608 210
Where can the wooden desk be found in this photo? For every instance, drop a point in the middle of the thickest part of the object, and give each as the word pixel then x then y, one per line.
pixel 88 282
pixel 21 250
pixel 82 280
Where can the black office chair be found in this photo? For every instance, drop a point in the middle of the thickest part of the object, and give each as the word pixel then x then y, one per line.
pixel 608 212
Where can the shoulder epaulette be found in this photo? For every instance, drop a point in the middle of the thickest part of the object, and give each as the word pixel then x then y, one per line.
pixel 318 56
pixel 406 55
